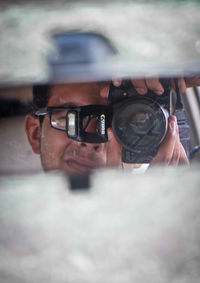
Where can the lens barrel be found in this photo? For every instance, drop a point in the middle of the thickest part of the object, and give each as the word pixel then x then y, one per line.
pixel 140 124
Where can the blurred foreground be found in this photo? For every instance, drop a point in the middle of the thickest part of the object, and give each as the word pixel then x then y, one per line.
pixel 120 230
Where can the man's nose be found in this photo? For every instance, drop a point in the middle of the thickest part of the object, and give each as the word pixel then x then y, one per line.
pixel 94 146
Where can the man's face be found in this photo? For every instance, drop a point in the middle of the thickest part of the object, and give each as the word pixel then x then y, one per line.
pixel 57 151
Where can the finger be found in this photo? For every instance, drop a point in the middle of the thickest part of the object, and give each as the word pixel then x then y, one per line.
pixel 139 85
pixel 192 81
pixel 154 85
pixel 104 91
pixel 176 152
pixel 183 159
pixel 181 85
pixel 165 152
pixel 179 156
pixel 116 82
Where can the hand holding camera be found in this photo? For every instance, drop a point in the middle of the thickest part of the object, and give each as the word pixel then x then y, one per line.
pixel 169 149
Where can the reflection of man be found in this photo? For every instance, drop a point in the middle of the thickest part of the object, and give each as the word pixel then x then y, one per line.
pixel 57 151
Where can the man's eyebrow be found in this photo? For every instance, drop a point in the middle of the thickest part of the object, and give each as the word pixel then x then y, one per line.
pixel 68 104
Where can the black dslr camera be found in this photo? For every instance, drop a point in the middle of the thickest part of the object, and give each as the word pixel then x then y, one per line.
pixel 140 122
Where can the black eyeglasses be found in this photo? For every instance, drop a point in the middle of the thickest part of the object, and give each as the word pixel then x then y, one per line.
pixel 86 123
pixel 57 116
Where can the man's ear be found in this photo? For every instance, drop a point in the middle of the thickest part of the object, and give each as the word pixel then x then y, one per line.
pixel 32 128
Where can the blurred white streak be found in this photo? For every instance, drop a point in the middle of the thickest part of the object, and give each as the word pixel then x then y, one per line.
pixel 153 37
pixel 124 229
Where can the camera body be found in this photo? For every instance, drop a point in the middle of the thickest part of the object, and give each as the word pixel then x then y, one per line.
pixel 140 122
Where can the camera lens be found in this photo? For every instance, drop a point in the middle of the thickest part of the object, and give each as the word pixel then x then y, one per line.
pixel 139 124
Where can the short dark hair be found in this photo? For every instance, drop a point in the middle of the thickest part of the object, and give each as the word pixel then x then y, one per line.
pixel 41 94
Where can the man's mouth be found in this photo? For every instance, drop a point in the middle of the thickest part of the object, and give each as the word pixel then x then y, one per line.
pixel 81 166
